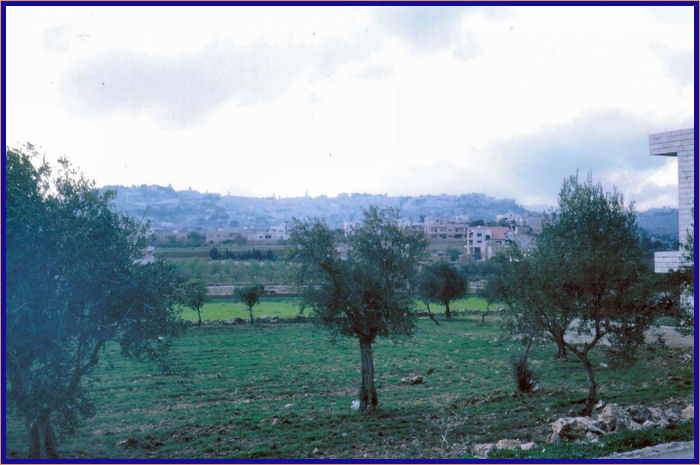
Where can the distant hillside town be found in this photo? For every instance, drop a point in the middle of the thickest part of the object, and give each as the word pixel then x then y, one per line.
pixel 215 219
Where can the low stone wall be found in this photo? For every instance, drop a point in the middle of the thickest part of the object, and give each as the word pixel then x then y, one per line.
pixel 224 292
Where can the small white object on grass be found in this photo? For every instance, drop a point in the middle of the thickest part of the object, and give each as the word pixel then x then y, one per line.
pixel 355 405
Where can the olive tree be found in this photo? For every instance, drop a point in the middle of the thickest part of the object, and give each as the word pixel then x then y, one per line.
pixel 250 295
pixel 587 275
pixel 681 286
pixel 74 282
pixel 442 283
pixel 193 295
pixel 366 295
pixel 427 287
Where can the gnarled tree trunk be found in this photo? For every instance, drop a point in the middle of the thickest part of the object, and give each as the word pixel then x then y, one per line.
pixel 430 315
pixel 368 395
pixel 592 387
pixel 41 432
pixel 252 320
pixel 558 337
pixel 448 315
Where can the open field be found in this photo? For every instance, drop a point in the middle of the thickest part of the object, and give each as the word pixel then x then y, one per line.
pixel 283 391
pixel 288 307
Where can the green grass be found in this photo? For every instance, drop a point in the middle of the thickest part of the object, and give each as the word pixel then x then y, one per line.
pixel 280 391
pixel 225 309
pixel 288 307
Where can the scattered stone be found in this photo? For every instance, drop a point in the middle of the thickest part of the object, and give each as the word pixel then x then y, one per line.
pixel 315 451
pixel 288 405
pixel 674 415
pixel 571 428
pixel 130 442
pixel 355 405
pixel 603 365
pixel 649 424
pixel 599 405
pixel 482 450
pixel 615 418
pixel 412 380
pixel 689 412
pixel 508 444
pixel 639 413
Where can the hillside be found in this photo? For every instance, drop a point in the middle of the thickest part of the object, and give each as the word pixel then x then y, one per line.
pixel 660 222
pixel 192 210
pixel 167 208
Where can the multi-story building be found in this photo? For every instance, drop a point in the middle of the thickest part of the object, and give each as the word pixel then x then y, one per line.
pixel 217 236
pixel 272 234
pixel 444 229
pixel 483 242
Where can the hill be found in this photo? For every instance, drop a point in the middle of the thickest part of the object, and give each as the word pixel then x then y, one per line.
pixel 192 210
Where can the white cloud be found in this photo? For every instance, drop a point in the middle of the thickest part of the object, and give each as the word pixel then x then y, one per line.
pixel 258 100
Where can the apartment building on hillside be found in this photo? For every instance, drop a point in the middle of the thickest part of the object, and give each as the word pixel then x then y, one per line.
pixel 483 242
pixel 446 229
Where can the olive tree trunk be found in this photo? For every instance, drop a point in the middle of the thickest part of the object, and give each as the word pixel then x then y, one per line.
pixel 592 386
pixel 252 320
pixel 368 395
pixel 448 315
pixel 40 432
pixel 558 337
pixel 430 315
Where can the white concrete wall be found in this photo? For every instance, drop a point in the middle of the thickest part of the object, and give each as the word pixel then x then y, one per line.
pixel 681 144
pixel 666 261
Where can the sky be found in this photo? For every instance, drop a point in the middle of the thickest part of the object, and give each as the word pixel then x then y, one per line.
pixel 284 101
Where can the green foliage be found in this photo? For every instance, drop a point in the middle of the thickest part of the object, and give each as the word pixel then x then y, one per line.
pixel 442 283
pixel 251 295
pixel 680 284
pixel 588 267
pixel 193 295
pixel 214 254
pixel 367 295
pixel 87 287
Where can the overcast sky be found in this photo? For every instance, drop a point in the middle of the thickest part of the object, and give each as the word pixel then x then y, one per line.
pixel 397 100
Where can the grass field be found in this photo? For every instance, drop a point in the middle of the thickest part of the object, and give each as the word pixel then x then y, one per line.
pixel 288 307
pixel 284 391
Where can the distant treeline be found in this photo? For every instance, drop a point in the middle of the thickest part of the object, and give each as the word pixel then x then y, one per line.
pixel 253 254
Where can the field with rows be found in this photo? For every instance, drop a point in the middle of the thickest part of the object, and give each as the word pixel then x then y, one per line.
pixel 285 391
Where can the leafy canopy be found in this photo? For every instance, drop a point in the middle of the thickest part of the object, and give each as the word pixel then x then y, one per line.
pixel 368 294
pixel 74 281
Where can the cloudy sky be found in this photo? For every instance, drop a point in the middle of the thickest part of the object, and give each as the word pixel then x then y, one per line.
pixel 397 100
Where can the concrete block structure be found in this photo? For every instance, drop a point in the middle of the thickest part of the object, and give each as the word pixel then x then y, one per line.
pixel 680 144
pixel 483 242
pixel 446 229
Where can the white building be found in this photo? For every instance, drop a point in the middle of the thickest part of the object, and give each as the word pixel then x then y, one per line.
pixel 444 229
pixel 680 144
